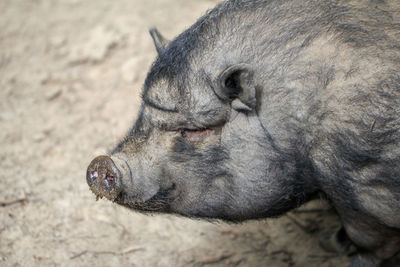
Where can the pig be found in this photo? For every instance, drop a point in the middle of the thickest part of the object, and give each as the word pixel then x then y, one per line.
pixel 263 104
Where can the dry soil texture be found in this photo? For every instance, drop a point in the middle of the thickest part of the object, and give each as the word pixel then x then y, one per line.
pixel 71 72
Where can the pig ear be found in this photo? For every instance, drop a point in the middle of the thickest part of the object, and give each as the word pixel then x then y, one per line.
pixel 236 84
pixel 159 41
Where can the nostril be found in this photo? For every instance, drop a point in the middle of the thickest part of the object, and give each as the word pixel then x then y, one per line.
pixel 109 181
pixel 110 178
pixel 92 176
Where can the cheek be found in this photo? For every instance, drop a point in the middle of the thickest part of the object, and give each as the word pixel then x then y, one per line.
pixel 153 156
pixel 162 142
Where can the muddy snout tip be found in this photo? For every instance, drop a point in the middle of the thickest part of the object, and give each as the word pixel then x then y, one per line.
pixel 104 178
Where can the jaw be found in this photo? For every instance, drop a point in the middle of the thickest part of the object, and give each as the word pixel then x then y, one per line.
pixel 158 203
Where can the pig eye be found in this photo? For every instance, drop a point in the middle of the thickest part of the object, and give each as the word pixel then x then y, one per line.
pixel 195 135
pixel 189 132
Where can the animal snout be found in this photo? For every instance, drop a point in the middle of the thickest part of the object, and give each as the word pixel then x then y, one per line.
pixel 104 178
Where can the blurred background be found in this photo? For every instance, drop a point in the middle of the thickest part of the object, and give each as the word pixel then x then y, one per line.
pixel 71 72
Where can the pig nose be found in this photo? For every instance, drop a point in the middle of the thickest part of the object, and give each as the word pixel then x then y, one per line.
pixel 104 178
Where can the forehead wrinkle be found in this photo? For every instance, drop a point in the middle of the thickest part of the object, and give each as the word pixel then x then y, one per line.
pixel 174 92
pixel 148 102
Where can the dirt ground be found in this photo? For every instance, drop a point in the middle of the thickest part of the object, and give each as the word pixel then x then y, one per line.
pixel 71 72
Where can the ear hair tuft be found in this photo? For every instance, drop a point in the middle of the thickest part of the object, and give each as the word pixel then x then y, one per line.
pixel 159 41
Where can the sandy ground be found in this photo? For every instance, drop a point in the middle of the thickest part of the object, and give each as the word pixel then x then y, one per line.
pixel 70 78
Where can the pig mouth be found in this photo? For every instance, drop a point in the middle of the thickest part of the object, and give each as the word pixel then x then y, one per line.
pixel 160 202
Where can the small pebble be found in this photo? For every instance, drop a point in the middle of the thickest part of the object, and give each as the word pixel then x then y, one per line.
pixel 53 94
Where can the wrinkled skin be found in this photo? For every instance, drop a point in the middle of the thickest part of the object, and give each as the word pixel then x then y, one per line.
pixel 261 105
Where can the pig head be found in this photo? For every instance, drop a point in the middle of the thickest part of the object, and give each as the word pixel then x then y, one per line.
pixel 198 147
